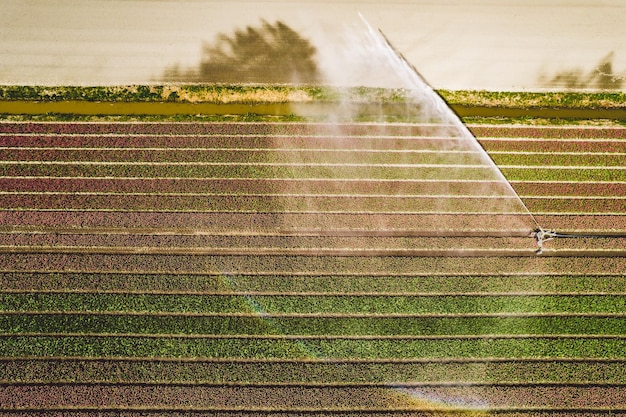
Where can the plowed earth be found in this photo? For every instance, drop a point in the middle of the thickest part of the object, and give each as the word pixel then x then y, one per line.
pixel 310 269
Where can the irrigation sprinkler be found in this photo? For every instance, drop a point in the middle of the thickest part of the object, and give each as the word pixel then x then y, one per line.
pixel 543 236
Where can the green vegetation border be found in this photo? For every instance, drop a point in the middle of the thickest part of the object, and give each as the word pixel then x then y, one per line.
pixel 295 103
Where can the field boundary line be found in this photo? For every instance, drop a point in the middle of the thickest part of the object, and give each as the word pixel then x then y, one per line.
pixel 232 136
pixel 318 315
pixel 330 385
pixel 309 274
pixel 565 167
pixel 181 231
pixel 557 153
pixel 295 337
pixel 317 360
pixel 312 252
pixel 274 195
pixel 250 179
pixel 311 195
pixel 314 293
pixel 309 179
pixel 302 212
pixel 446 409
pixel 250 150
pixel 252 164
pixel 593 140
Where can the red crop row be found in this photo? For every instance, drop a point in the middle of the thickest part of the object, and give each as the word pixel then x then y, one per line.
pixel 239 142
pixel 264 203
pixel 251 241
pixel 171 128
pixel 275 264
pixel 569 132
pixel 265 186
pixel 249 156
pixel 269 221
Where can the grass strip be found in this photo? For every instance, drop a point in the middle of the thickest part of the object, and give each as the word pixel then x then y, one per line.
pixel 216 93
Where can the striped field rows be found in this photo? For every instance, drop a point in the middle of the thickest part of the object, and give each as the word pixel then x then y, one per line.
pixel 311 269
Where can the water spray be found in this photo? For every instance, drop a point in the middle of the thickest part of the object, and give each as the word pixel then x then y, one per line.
pixel 540 234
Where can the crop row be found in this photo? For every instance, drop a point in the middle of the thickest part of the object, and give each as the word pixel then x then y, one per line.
pixel 295 129
pixel 367 143
pixel 224 170
pixel 278 156
pixel 166 371
pixel 568 132
pixel 186 143
pixel 273 204
pixel 292 398
pixel 262 325
pixel 319 186
pixel 264 222
pixel 346 304
pixel 264 129
pixel 555 146
pixel 279 347
pixel 206 284
pixel 480 173
pixel 294 204
pixel 252 240
pixel 277 186
pixel 273 264
pixel 558 160
pixel 310 157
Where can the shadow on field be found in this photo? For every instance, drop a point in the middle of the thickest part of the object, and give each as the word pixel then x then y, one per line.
pixel 269 53
pixel 602 77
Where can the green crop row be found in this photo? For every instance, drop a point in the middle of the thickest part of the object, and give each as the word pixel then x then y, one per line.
pixel 526 347
pixel 314 304
pixel 147 170
pixel 249 156
pixel 555 159
pixel 314 283
pixel 561 174
pixel 323 372
pixel 340 172
pixel 80 323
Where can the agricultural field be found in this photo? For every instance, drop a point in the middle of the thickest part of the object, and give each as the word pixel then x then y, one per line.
pixel 304 268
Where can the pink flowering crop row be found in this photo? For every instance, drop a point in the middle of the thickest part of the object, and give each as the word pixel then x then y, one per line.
pixel 257 186
pixel 172 128
pixel 260 203
pixel 275 264
pixel 238 142
pixel 269 222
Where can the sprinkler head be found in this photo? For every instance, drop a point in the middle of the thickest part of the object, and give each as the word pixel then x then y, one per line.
pixel 543 236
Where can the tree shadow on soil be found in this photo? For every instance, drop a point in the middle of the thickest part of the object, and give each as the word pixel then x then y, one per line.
pixel 269 53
